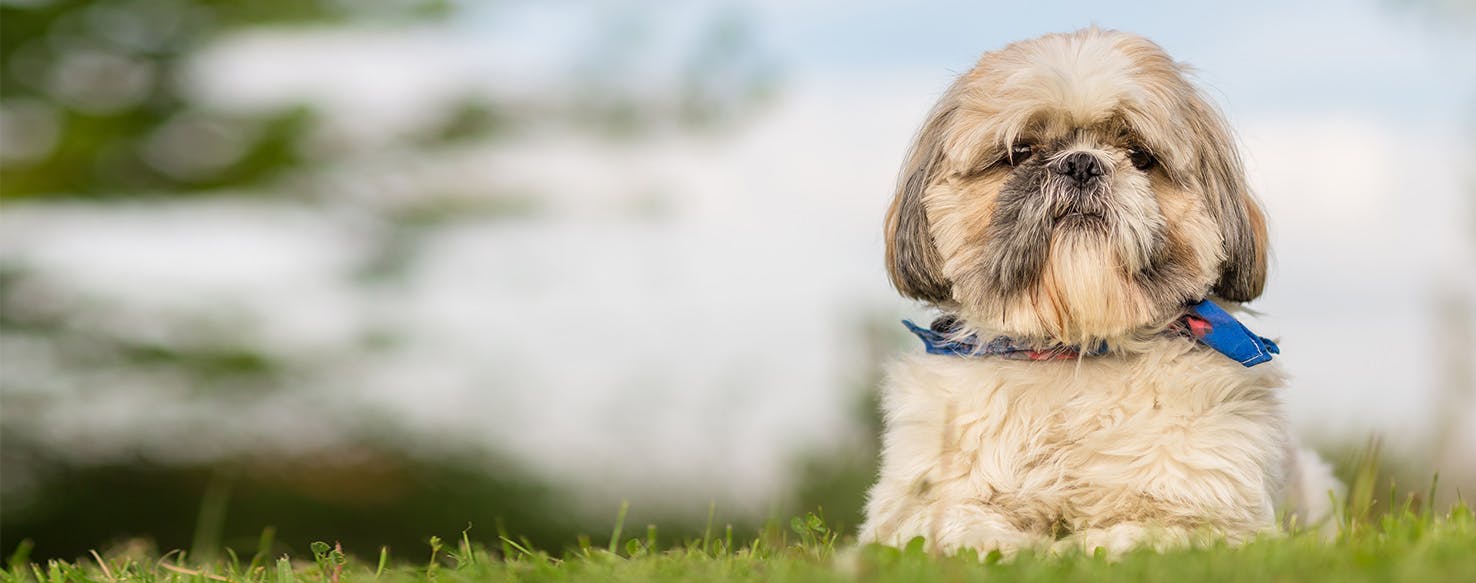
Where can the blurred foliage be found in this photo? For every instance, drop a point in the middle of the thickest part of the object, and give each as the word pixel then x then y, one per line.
pixel 87 349
pixel 365 497
pixel 95 101
pixel 93 98
pixel 95 104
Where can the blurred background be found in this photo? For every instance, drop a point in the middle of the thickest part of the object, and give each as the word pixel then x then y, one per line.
pixel 371 271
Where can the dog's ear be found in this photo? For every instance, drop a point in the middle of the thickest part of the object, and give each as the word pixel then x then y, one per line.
pixel 913 262
pixel 1242 224
pixel 1243 275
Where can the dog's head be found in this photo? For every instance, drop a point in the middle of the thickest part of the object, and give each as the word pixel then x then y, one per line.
pixel 1074 187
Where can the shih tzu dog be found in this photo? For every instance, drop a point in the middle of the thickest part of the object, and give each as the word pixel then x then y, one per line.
pixel 1078 212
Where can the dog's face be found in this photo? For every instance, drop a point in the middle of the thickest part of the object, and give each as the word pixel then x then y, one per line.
pixel 1074 187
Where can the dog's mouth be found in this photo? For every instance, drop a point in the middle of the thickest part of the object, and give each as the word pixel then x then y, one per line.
pixel 1082 218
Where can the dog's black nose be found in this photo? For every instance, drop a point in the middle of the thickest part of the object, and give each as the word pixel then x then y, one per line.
pixel 1079 166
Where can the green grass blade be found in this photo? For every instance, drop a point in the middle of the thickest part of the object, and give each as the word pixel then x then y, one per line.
pixel 619 526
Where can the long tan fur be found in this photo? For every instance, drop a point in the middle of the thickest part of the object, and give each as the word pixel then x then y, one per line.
pixel 1162 441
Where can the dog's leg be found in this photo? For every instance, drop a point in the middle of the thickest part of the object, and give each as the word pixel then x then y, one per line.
pixel 1123 537
pixel 945 453
pixel 1166 493
pixel 947 526
pixel 981 528
pixel 1169 505
pixel 909 504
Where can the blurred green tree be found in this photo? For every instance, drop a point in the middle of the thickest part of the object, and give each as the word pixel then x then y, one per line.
pixel 95 105
pixel 92 95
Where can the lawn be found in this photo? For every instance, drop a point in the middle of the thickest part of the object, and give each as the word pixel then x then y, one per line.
pixel 1399 546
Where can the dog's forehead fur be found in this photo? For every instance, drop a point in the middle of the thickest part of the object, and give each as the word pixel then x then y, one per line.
pixel 1080 75
pixel 1048 86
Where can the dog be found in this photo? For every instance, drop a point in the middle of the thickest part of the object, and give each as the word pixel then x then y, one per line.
pixel 1078 211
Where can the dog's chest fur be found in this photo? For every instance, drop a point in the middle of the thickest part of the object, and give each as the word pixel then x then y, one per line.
pixel 1178 436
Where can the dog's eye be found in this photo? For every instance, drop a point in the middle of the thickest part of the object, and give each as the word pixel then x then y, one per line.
pixel 1141 158
pixel 1020 153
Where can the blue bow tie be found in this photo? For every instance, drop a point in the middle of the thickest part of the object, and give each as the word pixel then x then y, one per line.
pixel 1206 322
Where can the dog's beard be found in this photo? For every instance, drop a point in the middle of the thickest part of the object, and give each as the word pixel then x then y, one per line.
pixel 1069 256
pixel 1085 293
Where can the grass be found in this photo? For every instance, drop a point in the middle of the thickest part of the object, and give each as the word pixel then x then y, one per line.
pixel 1396 546
pixel 1382 535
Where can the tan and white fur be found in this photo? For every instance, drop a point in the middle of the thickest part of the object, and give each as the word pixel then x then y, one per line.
pixel 1078 189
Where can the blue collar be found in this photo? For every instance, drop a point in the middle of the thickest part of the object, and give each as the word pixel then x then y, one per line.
pixel 1207 323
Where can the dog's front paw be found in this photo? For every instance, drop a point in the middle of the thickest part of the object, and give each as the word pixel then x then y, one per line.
pixel 981 529
pixel 1120 538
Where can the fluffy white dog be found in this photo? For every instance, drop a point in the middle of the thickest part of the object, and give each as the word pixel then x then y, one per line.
pixel 1078 212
